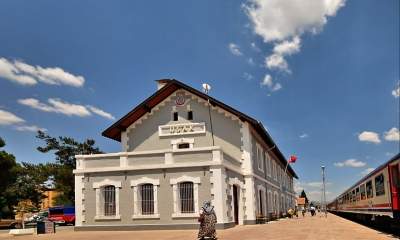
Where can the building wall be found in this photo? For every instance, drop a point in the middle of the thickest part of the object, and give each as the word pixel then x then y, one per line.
pixel 165 195
pixel 272 184
pixel 144 136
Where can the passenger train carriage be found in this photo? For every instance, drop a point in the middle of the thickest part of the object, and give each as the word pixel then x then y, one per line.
pixel 377 194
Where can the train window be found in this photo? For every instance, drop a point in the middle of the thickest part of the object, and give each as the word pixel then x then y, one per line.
pixel 353 195
pixel 358 194
pixel 362 190
pixel 379 185
pixel 368 187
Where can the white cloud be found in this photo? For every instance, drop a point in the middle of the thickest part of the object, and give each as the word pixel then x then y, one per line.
pixel 368 136
pixel 276 62
pixel 235 50
pixel 7 118
pixel 288 47
pixel 366 171
pixel 392 135
pixel 255 47
pixel 58 106
pixel 267 81
pixel 276 87
pixel 350 163
pixel 25 74
pixel 277 21
pixel 250 61
pixel 304 135
pixel 101 112
pixel 396 92
pixel 247 76
pixel 32 128
pixel 10 72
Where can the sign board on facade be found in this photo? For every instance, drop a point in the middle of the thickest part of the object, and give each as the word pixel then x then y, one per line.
pixel 181 129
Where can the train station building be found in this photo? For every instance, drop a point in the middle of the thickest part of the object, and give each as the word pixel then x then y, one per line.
pixel 181 147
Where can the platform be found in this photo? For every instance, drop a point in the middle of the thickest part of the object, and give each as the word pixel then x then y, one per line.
pixel 308 228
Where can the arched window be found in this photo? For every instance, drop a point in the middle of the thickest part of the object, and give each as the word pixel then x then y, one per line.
pixel 147 199
pixel 108 198
pixel 186 197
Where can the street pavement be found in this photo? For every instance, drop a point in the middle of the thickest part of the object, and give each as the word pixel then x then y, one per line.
pixel 307 228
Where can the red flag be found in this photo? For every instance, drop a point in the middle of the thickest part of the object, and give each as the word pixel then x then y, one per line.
pixel 292 159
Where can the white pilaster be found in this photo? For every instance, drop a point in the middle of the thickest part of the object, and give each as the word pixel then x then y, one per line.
pixel 219 189
pixel 124 141
pixel 246 149
pixel 250 198
pixel 79 197
pixel 123 161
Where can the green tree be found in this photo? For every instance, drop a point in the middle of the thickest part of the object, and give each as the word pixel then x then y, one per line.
pixel 8 167
pixel 29 183
pixel 65 149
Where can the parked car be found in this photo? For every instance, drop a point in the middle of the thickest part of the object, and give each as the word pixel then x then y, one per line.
pixel 62 215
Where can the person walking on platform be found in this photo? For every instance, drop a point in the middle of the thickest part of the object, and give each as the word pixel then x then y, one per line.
pixel 207 220
pixel 303 211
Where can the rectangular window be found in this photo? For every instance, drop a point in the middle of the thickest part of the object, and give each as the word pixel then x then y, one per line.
pixel 358 194
pixel 362 190
pixel 175 117
pixel 186 197
pixel 190 115
pixel 368 186
pixel 183 145
pixel 379 185
pixel 147 199
pixel 109 200
pixel 260 160
pixel 268 163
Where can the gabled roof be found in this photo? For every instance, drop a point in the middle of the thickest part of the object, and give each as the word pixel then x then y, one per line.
pixel 171 85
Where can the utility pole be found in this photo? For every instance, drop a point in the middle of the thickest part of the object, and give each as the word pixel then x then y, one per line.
pixel 323 190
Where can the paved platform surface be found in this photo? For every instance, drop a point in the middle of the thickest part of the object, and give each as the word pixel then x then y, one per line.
pixel 308 228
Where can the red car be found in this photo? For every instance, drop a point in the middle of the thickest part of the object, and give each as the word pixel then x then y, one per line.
pixel 62 215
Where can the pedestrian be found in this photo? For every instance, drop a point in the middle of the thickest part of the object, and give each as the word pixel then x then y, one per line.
pixel 312 210
pixel 207 220
pixel 303 211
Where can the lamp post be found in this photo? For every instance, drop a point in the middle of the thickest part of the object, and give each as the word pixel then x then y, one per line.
pixel 323 189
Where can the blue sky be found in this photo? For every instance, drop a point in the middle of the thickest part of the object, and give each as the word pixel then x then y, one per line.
pixel 322 76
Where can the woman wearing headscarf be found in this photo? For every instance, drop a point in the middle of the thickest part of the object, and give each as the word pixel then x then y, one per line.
pixel 207 220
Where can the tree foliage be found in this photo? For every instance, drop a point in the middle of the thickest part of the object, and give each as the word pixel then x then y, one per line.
pixel 65 149
pixel 8 167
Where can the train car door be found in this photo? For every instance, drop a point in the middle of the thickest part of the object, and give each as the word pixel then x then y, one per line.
pixel 395 186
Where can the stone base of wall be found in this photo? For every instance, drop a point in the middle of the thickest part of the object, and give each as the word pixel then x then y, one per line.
pixel 249 222
pixel 147 227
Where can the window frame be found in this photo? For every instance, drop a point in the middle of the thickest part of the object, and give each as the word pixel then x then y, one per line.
pixel 137 184
pixel 381 191
pixel 177 213
pixel 369 190
pixel 260 158
pixel 99 198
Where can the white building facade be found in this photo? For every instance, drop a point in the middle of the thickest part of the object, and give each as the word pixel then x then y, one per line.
pixel 180 148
